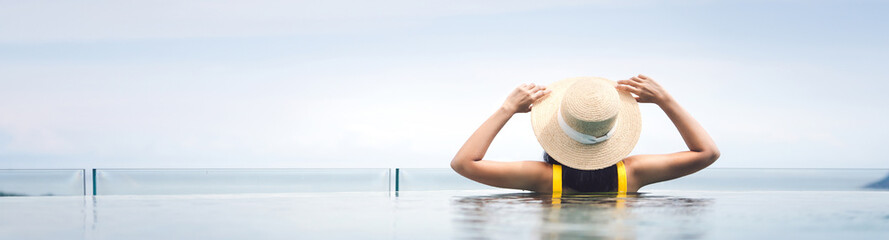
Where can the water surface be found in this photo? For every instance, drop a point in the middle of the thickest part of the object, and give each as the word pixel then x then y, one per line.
pixel 489 214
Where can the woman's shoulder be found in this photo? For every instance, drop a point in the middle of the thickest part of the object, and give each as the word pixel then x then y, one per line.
pixel 544 176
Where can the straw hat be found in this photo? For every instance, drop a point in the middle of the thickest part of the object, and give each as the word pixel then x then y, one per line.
pixel 599 125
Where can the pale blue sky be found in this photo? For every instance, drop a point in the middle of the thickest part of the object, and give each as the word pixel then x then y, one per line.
pixel 404 83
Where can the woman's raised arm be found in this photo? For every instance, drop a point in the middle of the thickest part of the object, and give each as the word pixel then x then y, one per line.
pixel 702 151
pixel 518 175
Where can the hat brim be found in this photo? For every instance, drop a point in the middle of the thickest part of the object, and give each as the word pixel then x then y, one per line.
pixel 585 156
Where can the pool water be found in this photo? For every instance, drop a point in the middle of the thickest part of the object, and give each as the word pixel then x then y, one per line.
pixel 487 214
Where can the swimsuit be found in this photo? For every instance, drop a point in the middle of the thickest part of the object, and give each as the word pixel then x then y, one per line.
pixel 621 178
pixel 620 198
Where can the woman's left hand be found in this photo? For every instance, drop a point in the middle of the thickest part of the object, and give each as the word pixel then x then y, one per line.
pixel 520 100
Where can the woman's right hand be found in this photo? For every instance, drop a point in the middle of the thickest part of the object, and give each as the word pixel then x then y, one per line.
pixel 647 90
pixel 520 100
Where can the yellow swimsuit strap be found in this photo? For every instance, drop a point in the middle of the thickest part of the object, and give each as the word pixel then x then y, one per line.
pixel 557 178
pixel 557 184
pixel 621 185
pixel 621 177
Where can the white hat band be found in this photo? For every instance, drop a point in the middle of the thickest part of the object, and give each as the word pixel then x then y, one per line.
pixel 582 137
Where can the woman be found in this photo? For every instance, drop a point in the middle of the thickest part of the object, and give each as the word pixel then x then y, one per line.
pixel 587 127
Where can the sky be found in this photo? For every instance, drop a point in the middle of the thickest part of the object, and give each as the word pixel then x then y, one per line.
pixel 293 84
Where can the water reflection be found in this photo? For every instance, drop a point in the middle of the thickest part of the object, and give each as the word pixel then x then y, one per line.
pixel 575 216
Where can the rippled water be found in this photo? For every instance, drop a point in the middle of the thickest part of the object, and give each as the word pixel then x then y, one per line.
pixel 678 215
pixel 572 216
pixel 454 215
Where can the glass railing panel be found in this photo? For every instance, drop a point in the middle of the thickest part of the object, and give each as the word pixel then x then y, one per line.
pixel 229 181
pixel 752 179
pixel 433 179
pixel 34 182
